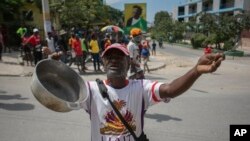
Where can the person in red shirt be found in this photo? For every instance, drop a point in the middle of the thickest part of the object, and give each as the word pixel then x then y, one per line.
pixel 76 46
pixel 208 49
pixel 35 41
pixel 27 49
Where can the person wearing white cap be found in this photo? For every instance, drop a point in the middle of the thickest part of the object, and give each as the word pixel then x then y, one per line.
pixel 35 42
pixel 133 97
pixel 35 30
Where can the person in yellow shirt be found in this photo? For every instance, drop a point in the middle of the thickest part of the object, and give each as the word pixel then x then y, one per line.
pixel 95 51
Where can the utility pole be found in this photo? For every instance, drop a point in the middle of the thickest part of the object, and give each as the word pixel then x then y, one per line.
pixel 46 17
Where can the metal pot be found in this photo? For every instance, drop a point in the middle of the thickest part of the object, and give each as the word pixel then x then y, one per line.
pixel 57 86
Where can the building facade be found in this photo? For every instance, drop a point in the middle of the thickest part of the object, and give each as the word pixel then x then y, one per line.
pixel 186 12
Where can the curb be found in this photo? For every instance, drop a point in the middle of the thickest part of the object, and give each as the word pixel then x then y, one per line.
pixel 17 75
pixel 157 68
pixel 9 75
pixel 29 74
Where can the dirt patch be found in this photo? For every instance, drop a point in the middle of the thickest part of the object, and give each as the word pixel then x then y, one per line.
pixel 178 62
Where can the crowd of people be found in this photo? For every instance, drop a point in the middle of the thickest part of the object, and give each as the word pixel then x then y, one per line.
pixel 82 44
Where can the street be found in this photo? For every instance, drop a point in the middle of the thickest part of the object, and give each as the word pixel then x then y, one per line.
pixel 203 113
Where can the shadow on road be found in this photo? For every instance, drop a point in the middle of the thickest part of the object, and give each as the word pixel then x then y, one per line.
pixel 14 106
pixel 161 117
pixel 10 63
pixel 3 92
pixel 17 106
pixel 199 91
pixel 9 97
pixel 155 77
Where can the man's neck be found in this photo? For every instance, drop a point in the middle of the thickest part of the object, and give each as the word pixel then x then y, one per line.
pixel 117 83
pixel 134 42
pixel 136 17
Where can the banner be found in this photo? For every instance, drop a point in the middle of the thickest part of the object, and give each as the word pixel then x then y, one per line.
pixel 135 16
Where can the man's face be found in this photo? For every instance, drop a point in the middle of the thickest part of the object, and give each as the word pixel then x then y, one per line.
pixel 136 13
pixel 49 35
pixel 116 64
pixel 137 39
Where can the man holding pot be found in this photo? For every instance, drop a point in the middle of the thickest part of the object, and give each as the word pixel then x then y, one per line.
pixel 133 97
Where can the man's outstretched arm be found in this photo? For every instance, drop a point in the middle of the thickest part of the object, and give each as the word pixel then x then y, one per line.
pixel 206 64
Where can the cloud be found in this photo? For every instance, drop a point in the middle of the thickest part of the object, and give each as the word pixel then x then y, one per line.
pixel 112 1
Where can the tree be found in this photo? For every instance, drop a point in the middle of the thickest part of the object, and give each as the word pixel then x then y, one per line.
pixel 86 12
pixel 163 25
pixel 208 22
pixel 178 31
pixel 9 7
pixel 114 16
pixel 222 28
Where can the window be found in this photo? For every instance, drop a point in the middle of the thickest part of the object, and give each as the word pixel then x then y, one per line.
pixel 181 11
pixel 192 8
pixel 207 5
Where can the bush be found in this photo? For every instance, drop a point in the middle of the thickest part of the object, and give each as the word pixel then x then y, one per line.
pixel 211 39
pixel 234 53
pixel 197 40
pixel 228 45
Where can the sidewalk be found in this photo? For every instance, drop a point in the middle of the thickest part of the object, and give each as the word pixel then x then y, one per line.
pixel 10 65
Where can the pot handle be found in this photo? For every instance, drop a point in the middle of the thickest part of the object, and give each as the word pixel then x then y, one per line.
pixel 75 105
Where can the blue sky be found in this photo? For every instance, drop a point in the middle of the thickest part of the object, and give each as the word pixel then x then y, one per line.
pixel 153 6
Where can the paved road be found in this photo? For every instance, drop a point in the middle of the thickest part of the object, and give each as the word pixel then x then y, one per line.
pixel 181 51
pixel 203 113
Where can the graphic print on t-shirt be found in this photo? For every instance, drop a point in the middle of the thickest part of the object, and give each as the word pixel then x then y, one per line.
pixel 113 125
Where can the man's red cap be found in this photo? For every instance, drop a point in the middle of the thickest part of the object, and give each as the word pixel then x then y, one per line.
pixel 120 47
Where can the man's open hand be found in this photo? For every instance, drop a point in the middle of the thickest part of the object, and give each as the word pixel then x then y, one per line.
pixel 209 63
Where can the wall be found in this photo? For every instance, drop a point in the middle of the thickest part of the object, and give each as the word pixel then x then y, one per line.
pixel 37 17
pixel 247 5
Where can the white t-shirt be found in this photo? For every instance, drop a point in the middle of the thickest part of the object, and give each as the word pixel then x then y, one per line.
pixel 51 44
pixel 134 21
pixel 133 51
pixel 132 101
pixel 134 55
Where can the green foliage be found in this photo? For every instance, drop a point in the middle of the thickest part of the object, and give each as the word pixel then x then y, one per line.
pixel 166 28
pixel 238 53
pixel 222 28
pixel 207 23
pixel 228 45
pixel 163 25
pixel 177 32
pixel 211 39
pixel 197 40
pixel 10 6
pixel 86 13
pixel 39 4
